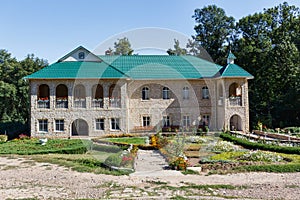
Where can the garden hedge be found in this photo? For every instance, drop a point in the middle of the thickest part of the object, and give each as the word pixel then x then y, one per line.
pixel 253 145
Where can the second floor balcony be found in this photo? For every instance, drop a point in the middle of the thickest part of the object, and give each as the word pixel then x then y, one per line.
pixel 235 101
pixel 115 102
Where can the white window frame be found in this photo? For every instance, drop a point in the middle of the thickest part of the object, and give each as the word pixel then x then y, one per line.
pixel 205 92
pixel 99 124
pixel 186 121
pixel 166 121
pixel 44 124
pixel 166 93
pixel 146 121
pixel 115 124
pixel 145 93
pixel 59 123
pixel 81 55
pixel 185 93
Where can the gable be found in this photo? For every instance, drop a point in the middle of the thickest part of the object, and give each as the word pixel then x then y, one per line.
pixel 80 54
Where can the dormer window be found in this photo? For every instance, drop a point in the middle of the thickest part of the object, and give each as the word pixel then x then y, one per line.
pixel 81 55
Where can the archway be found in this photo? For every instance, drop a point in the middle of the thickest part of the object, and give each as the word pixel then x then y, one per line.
pixel 80 128
pixel 236 123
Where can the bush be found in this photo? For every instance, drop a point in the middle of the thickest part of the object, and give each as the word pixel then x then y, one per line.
pixel 261 156
pixel 253 145
pixel 114 160
pixel 3 138
pixel 288 168
pixel 195 139
pixel 223 146
pixel 106 148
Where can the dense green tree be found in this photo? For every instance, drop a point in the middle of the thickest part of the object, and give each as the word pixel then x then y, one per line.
pixel 267 46
pixel 14 90
pixel 213 31
pixel 122 47
pixel 177 49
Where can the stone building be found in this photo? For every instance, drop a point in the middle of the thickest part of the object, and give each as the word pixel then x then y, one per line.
pixel 89 95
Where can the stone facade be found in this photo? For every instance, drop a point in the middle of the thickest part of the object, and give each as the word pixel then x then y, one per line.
pixel 123 110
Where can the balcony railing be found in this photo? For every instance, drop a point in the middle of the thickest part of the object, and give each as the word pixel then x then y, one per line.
pixel 43 103
pixel 79 103
pixel 61 103
pixel 97 103
pixel 114 102
pixel 235 101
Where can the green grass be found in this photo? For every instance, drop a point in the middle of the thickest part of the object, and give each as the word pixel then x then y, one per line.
pixel 128 140
pixel 33 146
pixel 79 162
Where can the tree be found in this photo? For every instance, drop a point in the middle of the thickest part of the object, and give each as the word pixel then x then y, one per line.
pixel 213 31
pixel 122 47
pixel 267 47
pixel 177 49
pixel 14 91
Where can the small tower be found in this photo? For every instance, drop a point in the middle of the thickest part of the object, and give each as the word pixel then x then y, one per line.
pixel 230 58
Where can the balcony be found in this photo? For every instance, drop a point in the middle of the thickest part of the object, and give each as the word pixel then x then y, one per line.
pixel 62 102
pixel 97 103
pixel 43 103
pixel 79 103
pixel 235 101
pixel 115 102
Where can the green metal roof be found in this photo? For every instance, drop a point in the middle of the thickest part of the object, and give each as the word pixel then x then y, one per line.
pixel 139 67
pixel 162 66
pixel 231 55
pixel 233 70
pixel 71 70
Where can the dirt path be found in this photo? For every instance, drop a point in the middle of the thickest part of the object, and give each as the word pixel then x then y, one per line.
pixel 22 178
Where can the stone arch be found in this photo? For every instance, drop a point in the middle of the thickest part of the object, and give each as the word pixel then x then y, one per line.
pixel 80 128
pixel 115 96
pixel 236 123
pixel 235 90
pixel 61 93
pixel 43 96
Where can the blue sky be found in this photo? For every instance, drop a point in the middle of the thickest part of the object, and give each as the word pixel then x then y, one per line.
pixel 52 28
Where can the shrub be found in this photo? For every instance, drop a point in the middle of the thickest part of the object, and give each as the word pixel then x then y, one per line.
pixel 3 138
pixel 106 148
pixel 196 139
pixel 261 156
pixel 254 145
pixel 224 146
pixel 114 160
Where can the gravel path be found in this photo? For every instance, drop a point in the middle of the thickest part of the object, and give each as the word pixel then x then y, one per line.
pixel 22 178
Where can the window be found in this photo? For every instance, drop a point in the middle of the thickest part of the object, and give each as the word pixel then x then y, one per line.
pixel 79 96
pixel 166 93
pixel 61 96
pixel 43 125
pixel 115 124
pixel 145 93
pixel 99 124
pixel 185 93
pixel 186 121
pixel 43 96
pixel 205 93
pixel 59 125
pixel 81 55
pixel 166 121
pixel 146 121
pixel 205 120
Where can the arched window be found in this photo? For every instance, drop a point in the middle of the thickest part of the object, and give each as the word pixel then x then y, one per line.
pixel 220 95
pixel 145 93
pixel 205 93
pixel 79 96
pixel 61 96
pixel 81 55
pixel 235 94
pixel 97 96
pixel 185 93
pixel 43 96
pixel 166 93
pixel 114 96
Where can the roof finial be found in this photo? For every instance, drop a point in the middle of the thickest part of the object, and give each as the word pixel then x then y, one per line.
pixel 230 58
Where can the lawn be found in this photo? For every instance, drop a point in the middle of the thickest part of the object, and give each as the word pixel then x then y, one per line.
pixel 127 140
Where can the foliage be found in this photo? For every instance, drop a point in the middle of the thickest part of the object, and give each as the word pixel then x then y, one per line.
pixel 3 138
pixel 261 156
pixel 114 160
pixel 179 163
pixel 32 146
pixel 253 145
pixel 288 168
pixel 121 47
pixel 195 139
pixel 105 148
pixel 158 140
pixel 213 29
pixel 177 49
pixel 14 91
pixel 224 146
